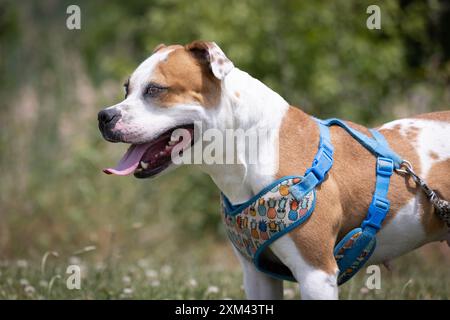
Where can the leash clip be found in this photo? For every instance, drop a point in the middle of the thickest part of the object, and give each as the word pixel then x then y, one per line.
pixel 441 206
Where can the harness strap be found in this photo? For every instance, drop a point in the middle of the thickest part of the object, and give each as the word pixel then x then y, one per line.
pixel 376 145
pixel 323 161
pixel 379 207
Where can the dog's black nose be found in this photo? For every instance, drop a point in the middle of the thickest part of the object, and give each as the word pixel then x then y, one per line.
pixel 108 117
pixel 107 120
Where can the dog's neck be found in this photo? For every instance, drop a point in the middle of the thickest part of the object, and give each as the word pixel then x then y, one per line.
pixel 249 105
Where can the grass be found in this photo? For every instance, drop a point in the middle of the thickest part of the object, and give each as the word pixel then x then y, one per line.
pixel 418 275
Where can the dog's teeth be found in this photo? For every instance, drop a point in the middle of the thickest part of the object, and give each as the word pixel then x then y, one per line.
pixel 172 142
pixel 144 165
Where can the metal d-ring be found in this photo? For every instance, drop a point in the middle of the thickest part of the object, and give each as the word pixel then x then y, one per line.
pixel 409 171
pixel 407 165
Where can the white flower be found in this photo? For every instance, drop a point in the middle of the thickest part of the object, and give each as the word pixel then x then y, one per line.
pixel 127 291
pixel 151 274
pixel 143 263
pixel 75 260
pixel 155 283
pixel 192 283
pixel 22 264
pixel 212 290
pixel 29 290
pixel 166 270
pixel 23 282
pixel 126 279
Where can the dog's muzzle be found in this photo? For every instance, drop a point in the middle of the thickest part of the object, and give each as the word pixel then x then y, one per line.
pixel 107 120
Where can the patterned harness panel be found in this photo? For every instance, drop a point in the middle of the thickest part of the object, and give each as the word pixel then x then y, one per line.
pixel 254 225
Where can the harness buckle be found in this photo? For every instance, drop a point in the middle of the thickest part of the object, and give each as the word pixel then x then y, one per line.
pixel 381 204
pixel 322 163
pixel 328 147
pixel 378 210
pixel 385 166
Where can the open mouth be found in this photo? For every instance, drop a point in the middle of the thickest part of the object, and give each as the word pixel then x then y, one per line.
pixel 150 158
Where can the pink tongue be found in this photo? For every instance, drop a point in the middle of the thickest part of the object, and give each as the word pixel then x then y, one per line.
pixel 129 161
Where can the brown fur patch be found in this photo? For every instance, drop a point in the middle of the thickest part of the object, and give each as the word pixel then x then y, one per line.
pixel 434 155
pixel 412 133
pixel 298 138
pixel 437 116
pixel 188 80
pixel 437 180
pixel 344 198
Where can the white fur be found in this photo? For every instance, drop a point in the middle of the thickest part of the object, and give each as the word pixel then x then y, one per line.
pixel 257 107
pixel 403 234
pixel 314 283
pixel 432 136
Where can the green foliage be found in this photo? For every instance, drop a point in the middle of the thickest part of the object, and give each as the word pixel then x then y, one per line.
pixel 320 56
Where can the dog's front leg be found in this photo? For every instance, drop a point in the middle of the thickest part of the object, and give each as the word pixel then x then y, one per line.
pixel 314 282
pixel 257 285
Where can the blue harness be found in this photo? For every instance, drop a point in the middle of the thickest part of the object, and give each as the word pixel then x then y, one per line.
pixel 289 201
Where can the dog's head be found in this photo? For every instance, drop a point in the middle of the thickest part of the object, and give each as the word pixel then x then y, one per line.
pixel 175 87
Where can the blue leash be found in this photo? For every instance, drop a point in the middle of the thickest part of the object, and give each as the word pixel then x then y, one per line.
pixel 353 251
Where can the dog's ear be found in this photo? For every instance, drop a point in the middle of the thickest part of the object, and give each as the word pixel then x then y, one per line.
pixel 159 47
pixel 210 54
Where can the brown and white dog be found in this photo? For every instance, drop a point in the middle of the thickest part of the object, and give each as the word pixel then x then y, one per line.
pixel 179 85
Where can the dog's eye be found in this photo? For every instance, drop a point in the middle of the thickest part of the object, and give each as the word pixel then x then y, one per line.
pixel 154 90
